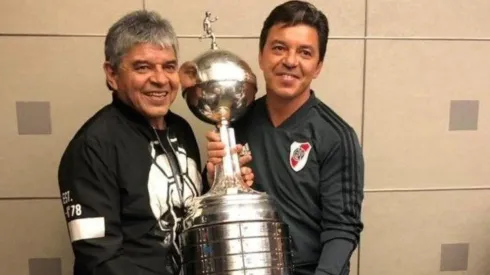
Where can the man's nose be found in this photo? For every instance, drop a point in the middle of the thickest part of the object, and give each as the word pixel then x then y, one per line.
pixel 159 77
pixel 290 60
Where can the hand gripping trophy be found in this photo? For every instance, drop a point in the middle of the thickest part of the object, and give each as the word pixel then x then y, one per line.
pixel 232 229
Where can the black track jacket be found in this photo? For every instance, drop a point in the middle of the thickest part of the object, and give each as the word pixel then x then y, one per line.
pixel 123 187
pixel 312 165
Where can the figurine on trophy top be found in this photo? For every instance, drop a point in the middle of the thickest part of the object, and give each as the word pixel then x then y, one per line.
pixel 208 29
pixel 218 87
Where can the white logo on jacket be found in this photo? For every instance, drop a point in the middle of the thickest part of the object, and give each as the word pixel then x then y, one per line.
pixel 164 193
pixel 298 155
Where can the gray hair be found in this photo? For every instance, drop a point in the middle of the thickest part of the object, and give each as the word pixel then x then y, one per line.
pixel 136 27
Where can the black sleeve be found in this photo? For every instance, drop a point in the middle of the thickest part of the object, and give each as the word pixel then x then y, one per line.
pixel 90 198
pixel 197 156
pixel 192 148
pixel 206 185
pixel 191 145
pixel 342 185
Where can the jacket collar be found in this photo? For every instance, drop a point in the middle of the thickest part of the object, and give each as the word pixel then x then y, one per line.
pixel 296 118
pixel 135 118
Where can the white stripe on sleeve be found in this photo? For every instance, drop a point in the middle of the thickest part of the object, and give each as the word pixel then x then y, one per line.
pixel 86 228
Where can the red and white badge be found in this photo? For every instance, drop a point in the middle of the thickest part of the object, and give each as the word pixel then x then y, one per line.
pixel 298 155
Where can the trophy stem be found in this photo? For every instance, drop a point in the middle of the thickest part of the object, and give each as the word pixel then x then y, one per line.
pixel 228 178
pixel 234 155
pixel 227 159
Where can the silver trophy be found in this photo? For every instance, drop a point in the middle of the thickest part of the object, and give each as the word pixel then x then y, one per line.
pixel 218 87
pixel 232 229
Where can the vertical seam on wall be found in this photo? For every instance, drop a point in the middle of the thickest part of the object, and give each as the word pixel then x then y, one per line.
pixel 363 109
pixel 363 104
pixel 144 4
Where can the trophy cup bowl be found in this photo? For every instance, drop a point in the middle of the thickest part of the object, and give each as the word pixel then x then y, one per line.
pixel 232 229
pixel 218 85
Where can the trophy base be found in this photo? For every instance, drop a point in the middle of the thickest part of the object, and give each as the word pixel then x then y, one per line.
pixel 229 186
pixel 238 234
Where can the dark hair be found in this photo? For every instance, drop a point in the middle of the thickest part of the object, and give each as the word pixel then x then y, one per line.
pixel 295 12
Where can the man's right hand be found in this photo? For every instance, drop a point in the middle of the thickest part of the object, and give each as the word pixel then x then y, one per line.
pixel 216 152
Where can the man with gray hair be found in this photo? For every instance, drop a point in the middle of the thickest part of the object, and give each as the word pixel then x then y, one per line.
pixel 129 172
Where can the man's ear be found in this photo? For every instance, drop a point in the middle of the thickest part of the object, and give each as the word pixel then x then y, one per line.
pixel 260 59
pixel 318 69
pixel 110 75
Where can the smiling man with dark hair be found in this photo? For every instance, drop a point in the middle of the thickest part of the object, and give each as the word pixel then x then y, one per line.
pixel 303 153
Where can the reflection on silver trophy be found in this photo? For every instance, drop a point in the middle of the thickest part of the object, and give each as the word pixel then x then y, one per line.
pixel 232 229
pixel 218 87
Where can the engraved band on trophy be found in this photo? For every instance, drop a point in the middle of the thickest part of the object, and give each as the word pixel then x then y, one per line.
pixel 232 229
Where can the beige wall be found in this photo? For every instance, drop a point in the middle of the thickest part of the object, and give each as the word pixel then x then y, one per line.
pixel 413 78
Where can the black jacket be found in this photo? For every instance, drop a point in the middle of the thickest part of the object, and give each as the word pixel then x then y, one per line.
pixel 122 192
pixel 312 165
